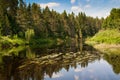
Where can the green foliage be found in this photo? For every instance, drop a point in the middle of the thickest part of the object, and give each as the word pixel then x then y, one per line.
pixel 26 21
pixel 113 20
pixel 88 26
pixel 41 42
pixel 107 36
pixel 29 34
pixel 113 59
pixel 5 40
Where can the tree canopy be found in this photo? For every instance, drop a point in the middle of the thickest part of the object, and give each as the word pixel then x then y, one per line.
pixel 113 20
pixel 16 18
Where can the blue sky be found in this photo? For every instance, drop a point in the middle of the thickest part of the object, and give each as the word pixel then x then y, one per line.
pixel 94 8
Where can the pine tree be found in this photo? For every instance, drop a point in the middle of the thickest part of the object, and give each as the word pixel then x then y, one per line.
pixel 46 18
pixel 37 20
pixel 64 18
pixel 72 24
pixel 7 28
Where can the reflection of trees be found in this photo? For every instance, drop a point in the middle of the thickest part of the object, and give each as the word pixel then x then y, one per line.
pixel 39 67
pixel 114 60
pixel 35 69
pixel 22 64
pixel 12 51
pixel 9 65
pixel 9 61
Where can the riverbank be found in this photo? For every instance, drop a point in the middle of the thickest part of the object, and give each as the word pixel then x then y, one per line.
pixel 109 36
pixel 108 48
pixel 106 41
pixel 7 42
pixel 105 48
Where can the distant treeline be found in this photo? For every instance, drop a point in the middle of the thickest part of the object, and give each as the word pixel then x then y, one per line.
pixel 30 20
pixel 113 20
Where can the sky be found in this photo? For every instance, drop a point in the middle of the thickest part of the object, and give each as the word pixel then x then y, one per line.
pixel 94 8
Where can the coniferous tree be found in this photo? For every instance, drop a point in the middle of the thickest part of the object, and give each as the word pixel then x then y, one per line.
pixel 46 18
pixel 19 18
pixel 37 20
pixel 64 18
pixel 72 24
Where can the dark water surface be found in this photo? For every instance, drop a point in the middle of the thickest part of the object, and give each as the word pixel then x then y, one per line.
pixel 58 63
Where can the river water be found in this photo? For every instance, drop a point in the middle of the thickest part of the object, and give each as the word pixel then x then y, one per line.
pixel 63 62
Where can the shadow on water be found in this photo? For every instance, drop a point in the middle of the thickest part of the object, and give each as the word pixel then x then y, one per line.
pixel 25 63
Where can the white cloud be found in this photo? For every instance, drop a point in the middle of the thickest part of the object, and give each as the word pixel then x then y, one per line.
pixel 73 1
pixel 57 75
pixel 76 9
pixel 50 5
pixel 76 77
pixel 102 13
pixel 87 6
pixel 79 69
pixel 54 75
pixel 88 0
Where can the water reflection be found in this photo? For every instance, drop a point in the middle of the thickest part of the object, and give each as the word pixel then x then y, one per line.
pixel 63 62
pixel 114 61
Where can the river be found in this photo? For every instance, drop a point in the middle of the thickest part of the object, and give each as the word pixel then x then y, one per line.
pixel 63 62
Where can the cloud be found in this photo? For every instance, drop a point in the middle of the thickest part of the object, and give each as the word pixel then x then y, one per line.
pixel 73 1
pixel 87 6
pixel 54 75
pixel 76 9
pixel 79 69
pixel 91 70
pixel 57 75
pixel 101 13
pixel 76 77
pixel 50 5
pixel 88 0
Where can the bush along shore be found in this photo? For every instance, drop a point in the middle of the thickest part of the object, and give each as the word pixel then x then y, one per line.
pixel 6 41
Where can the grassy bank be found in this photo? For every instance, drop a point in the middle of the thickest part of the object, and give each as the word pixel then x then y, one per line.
pixel 105 36
pixel 106 41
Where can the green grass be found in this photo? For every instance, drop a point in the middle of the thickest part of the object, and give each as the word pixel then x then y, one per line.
pixel 5 40
pixel 106 36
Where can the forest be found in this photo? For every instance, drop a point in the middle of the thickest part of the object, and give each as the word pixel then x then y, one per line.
pixel 39 43
pixel 21 22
